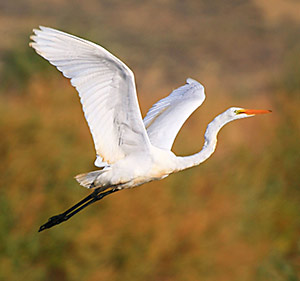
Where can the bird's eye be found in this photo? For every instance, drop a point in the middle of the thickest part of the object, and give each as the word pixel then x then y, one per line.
pixel 236 111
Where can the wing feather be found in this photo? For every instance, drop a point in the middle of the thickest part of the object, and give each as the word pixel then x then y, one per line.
pixel 106 88
pixel 165 118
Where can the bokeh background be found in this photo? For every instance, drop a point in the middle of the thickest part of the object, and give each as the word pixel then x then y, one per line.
pixel 236 217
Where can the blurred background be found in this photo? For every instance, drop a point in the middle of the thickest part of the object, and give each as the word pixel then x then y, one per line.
pixel 236 217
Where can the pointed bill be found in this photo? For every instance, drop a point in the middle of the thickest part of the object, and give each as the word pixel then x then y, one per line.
pixel 254 111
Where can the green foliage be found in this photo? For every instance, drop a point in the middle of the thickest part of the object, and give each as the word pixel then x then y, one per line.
pixel 18 66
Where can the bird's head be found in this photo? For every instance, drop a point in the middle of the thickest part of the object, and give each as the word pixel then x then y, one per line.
pixel 239 113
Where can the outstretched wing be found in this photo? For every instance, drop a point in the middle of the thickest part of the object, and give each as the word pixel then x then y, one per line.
pixel 166 117
pixel 106 88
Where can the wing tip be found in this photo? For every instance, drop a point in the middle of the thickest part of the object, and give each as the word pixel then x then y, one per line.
pixel 196 84
pixel 190 80
pixel 43 30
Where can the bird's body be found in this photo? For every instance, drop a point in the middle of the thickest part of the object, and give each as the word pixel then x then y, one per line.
pixel 133 170
pixel 131 151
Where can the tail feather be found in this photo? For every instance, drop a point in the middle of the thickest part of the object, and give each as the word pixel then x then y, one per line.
pixel 88 179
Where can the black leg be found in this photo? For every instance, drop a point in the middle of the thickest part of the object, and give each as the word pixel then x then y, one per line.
pixel 92 198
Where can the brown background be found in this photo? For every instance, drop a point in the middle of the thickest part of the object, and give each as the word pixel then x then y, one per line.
pixel 236 217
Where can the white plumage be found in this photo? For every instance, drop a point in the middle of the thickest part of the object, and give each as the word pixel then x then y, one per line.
pixel 130 151
pixel 106 88
pixel 165 118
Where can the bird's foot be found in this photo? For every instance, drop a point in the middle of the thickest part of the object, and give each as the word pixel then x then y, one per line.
pixel 53 221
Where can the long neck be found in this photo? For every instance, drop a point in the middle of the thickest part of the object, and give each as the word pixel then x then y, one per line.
pixel 209 146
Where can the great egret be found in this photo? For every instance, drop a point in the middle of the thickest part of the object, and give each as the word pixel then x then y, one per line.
pixel 131 151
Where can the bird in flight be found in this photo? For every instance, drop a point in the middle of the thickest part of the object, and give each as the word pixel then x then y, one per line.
pixel 129 150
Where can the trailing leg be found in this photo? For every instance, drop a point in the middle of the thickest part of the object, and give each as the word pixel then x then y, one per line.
pixel 92 198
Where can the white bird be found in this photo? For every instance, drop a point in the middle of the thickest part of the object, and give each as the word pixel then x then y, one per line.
pixel 131 151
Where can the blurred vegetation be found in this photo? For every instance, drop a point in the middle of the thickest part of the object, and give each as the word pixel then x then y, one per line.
pixel 236 217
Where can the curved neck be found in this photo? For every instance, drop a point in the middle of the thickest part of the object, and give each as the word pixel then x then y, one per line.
pixel 209 146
